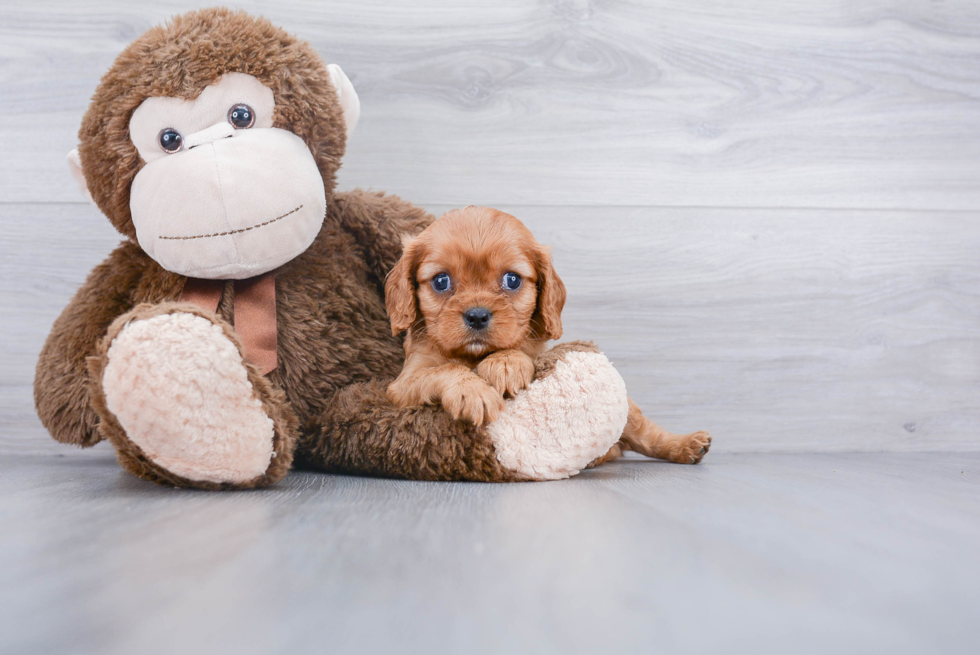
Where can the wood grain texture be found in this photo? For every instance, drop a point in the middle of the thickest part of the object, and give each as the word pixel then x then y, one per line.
pixel 777 330
pixel 755 554
pixel 45 255
pixel 784 103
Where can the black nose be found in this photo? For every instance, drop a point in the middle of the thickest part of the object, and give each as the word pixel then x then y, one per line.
pixel 477 318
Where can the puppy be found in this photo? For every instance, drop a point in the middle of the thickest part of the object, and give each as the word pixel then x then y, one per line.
pixel 480 299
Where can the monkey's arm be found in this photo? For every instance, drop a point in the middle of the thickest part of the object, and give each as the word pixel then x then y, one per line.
pixel 362 432
pixel 542 435
pixel 378 222
pixel 61 381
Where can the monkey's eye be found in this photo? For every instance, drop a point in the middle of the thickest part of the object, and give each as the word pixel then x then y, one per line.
pixel 170 140
pixel 241 117
pixel 441 283
pixel 511 281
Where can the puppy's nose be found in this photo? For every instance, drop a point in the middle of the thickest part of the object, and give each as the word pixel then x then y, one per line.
pixel 477 318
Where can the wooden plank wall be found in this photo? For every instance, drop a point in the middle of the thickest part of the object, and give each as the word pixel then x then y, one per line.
pixel 766 215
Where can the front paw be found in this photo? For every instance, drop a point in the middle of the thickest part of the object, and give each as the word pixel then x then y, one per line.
pixel 473 400
pixel 508 373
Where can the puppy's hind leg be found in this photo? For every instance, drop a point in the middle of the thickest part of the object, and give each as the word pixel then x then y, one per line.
pixel 614 453
pixel 647 438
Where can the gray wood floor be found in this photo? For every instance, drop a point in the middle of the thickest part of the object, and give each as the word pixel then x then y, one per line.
pixel 768 216
pixel 764 553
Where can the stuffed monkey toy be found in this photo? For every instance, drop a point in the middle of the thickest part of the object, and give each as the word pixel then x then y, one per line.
pixel 240 329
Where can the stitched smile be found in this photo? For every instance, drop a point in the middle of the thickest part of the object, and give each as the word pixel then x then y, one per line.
pixel 229 232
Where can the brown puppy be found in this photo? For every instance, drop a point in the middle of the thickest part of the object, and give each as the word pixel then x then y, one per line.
pixel 480 298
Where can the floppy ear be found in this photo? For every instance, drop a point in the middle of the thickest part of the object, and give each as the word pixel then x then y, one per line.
pixel 400 288
pixel 551 296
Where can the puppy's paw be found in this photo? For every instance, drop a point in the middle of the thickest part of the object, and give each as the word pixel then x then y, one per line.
pixel 474 401
pixel 507 371
pixel 690 448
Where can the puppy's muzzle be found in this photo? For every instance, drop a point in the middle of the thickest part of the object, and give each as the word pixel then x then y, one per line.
pixel 477 318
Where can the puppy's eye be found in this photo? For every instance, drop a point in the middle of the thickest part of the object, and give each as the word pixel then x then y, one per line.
pixel 170 140
pixel 511 281
pixel 441 282
pixel 241 117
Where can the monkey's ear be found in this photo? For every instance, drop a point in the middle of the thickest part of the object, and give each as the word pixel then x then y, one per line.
pixel 75 167
pixel 347 95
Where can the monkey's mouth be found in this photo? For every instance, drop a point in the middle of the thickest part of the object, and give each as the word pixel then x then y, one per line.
pixel 230 232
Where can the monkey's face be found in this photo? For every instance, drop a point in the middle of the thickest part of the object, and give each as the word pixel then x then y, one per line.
pixel 223 194
pixel 214 141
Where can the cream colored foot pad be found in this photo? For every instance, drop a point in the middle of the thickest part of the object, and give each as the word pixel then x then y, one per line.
pixel 178 387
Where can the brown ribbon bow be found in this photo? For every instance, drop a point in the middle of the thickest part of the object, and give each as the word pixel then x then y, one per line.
pixel 255 313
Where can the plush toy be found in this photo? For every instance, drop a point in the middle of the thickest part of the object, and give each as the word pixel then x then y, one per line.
pixel 240 327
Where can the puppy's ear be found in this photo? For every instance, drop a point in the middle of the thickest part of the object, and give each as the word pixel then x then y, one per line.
pixel 551 295
pixel 400 287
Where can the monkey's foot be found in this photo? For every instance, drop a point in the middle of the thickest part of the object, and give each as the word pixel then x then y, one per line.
pixel 188 410
pixel 572 413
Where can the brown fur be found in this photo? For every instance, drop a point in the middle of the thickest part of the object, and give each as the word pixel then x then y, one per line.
pixel 476 246
pixel 336 351
pixel 470 372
